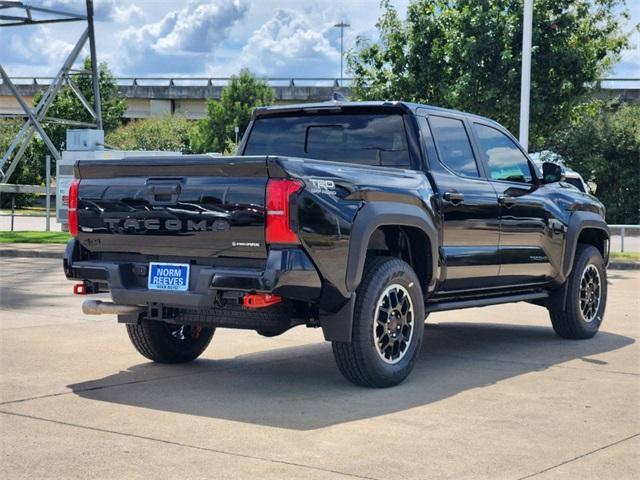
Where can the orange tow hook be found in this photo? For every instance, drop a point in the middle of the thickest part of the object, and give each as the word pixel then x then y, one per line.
pixel 260 300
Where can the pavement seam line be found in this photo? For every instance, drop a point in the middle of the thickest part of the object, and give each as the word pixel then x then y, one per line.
pixel 579 457
pixel 98 387
pixel 185 445
pixel 135 382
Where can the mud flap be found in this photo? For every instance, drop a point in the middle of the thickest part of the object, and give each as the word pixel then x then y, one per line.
pixel 338 326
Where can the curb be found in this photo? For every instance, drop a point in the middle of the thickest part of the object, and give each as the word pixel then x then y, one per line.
pixel 14 253
pixel 624 265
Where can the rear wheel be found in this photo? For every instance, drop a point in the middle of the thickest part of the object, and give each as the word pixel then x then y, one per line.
pixel 582 313
pixel 169 343
pixel 388 325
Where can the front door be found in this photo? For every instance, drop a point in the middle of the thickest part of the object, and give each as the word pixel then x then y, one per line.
pixel 468 205
pixel 525 227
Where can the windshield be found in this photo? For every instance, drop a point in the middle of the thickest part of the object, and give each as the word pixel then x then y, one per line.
pixel 575 182
pixel 369 139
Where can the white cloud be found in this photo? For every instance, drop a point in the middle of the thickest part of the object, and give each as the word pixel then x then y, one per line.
pixel 183 40
pixel 127 13
pixel 201 25
pixel 38 47
pixel 290 41
pixel 119 11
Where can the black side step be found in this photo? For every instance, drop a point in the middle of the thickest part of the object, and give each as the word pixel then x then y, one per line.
pixel 443 305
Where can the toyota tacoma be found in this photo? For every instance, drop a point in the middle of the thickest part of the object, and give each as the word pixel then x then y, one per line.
pixel 356 218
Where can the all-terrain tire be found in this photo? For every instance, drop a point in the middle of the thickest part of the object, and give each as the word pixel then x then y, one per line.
pixel 168 343
pixel 361 361
pixel 568 317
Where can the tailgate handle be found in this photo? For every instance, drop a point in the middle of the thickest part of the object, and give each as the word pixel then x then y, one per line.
pixel 163 193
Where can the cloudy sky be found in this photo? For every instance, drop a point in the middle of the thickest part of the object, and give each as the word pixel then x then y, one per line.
pixel 214 37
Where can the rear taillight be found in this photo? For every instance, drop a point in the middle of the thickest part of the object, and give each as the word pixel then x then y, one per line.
pixel 278 222
pixel 73 207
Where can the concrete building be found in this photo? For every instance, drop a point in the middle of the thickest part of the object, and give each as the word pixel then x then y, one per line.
pixel 187 97
pixel 147 97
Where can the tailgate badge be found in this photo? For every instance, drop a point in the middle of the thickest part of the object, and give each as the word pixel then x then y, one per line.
pixel 245 244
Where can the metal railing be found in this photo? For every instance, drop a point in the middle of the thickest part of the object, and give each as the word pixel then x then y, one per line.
pixel 623 228
pixel 198 81
pixel 605 83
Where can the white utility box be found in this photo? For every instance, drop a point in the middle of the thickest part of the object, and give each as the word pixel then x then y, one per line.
pixel 85 139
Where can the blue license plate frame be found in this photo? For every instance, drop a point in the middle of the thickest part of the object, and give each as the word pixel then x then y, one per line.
pixel 168 277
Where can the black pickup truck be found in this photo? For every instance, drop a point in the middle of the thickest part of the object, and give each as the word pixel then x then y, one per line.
pixel 358 218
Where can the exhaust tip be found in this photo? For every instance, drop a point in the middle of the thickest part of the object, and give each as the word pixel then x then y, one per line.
pixel 98 307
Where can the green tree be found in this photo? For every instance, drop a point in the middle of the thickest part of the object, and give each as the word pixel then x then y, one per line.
pixel 244 93
pixel 67 105
pixel 466 55
pixel 29 171
pixel 159 133
pixel 602 143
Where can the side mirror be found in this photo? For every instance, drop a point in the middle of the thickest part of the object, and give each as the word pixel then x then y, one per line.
pixel 552 172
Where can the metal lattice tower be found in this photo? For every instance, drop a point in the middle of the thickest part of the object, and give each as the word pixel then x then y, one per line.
pixel 15 14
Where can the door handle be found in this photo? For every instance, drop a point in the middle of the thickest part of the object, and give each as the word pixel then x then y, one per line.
pixel 163 193
pixel 507 200
pixel 453 197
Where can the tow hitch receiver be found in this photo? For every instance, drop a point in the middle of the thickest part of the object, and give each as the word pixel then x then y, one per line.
pixel 260 300
pixel 85 288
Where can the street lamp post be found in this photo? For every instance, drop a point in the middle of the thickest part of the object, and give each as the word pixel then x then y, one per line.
pixel 525 74
pixel 342 25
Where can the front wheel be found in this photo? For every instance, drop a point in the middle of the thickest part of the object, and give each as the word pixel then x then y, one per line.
pixel 388 325
pixel 169 343
pixel 581 314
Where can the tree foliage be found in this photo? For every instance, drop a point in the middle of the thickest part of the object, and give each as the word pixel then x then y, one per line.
pixel 466 55
pixel 602 143
pixel 29 171
pixel 68 106
pixel 244 93
pixel 157 133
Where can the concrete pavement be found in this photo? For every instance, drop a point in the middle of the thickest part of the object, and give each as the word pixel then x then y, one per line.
pixel 28 223
pixel 495 394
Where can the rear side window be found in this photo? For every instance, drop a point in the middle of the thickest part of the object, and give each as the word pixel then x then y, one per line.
pixel 453 145
pixel 505 160
pixel 369 139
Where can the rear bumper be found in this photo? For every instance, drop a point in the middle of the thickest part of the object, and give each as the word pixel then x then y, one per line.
pixel 288 272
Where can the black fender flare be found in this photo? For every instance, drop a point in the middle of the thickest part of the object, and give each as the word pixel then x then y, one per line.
pixel 578 222
pixel 378 214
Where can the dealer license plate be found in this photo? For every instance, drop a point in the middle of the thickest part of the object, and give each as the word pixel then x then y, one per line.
pixel 169 276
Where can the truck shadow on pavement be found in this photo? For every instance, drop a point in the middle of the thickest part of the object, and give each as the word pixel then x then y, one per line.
pixel 300 387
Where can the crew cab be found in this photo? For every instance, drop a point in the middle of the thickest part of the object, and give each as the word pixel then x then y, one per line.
pixel 356 218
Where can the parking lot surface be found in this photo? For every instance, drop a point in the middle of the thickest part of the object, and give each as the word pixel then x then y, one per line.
pixel 495 394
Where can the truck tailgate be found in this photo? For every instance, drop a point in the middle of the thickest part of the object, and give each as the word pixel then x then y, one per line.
pixel 195 206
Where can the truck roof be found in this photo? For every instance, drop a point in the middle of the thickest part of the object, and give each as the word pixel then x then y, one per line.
pixel 408 107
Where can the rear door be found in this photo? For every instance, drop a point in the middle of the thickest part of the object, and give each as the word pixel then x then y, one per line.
pixel 469 205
